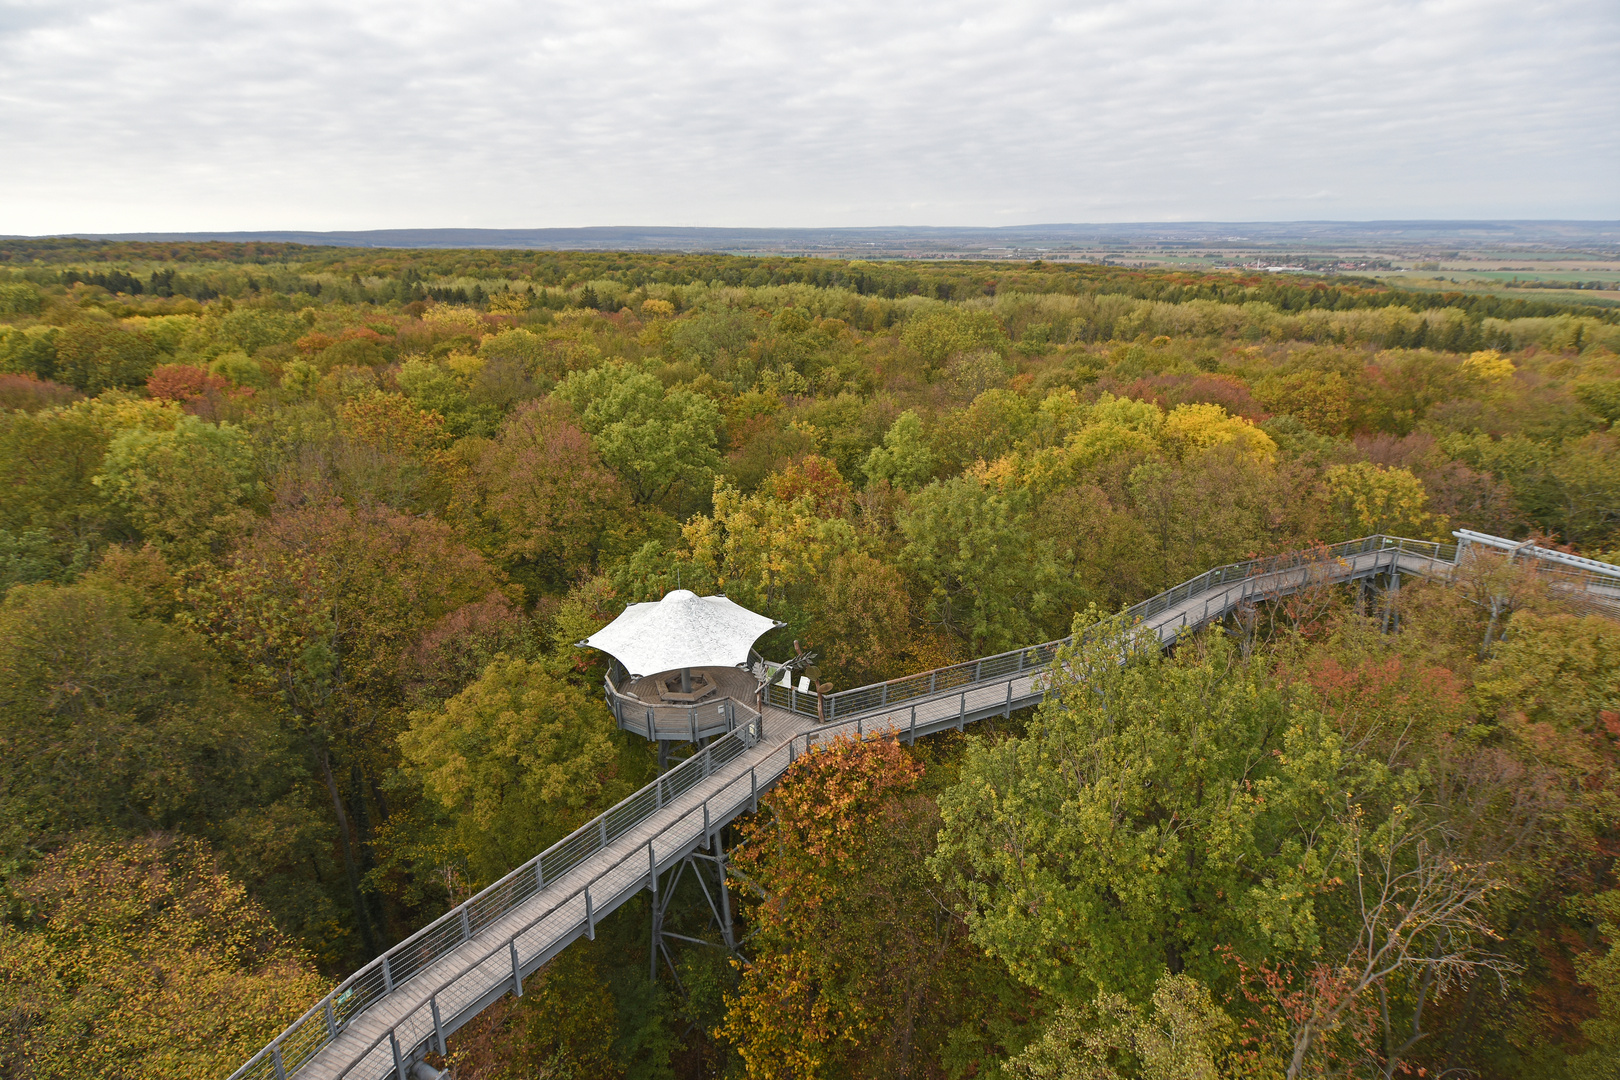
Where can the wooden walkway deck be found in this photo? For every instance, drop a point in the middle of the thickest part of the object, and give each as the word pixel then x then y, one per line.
pixel 383 1018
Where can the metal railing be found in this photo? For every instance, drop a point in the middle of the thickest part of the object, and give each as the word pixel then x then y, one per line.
pixel 846 703
pixel 428 1025
pixel 306 1036
pixel 676 722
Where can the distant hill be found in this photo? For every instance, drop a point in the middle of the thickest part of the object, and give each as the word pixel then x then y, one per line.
pixel 938 241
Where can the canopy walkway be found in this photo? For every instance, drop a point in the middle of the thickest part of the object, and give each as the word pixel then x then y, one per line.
pixel 382 1019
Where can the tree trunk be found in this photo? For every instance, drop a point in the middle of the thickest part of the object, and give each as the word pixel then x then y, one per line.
pixel 368 938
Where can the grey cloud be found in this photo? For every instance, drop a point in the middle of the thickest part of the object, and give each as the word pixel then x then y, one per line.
pixel 184 115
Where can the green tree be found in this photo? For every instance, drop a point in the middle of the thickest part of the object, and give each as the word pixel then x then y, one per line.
pixel 1156 811
pixel 655 439
pixel 946 331
pixel 49 461
pixel 1600 1059
pixel 320 609
pixel 1587 471
pixel 906 458
pixel 95 356
pixel 438 390
pixel 187 489
pixel 988 579
pixel 1184 1035
pixel 112 722
pixel 30 351
pixel 860 619
pixel 517 759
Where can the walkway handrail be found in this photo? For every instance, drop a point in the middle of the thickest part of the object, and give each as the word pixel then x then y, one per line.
pixel 1526 547
pixel 274 1061
pixel 320 1025
pixel 690 722
pixel 509 940
pixel 861 699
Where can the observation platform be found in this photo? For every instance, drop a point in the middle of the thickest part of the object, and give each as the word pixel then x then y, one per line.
pixel 649 706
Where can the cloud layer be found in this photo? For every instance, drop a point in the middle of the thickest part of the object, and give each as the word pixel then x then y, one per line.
pixel 177 114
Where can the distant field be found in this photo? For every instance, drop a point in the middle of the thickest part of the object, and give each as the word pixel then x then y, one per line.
pixel 1520 281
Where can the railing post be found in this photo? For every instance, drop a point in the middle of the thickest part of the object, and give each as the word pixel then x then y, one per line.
pixel 517 972
pixel 961 713
pixel 331 1018
pixel 913 732
pixel 883 696
pixel 438 1024
pixel 1007 712
pixel 275 1061
pixel 658 793
pixel 601 829
pixel 753 786
pixel 708 841
pixel 466 923
pixel 652 870
pixel 590 917
pixel 388 976
pixel 933 682
pixel 539 874
pixel 399 1060
pixel 978 667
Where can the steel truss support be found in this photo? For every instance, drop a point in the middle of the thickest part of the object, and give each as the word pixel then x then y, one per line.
pixel 1392 596
pixel 663 884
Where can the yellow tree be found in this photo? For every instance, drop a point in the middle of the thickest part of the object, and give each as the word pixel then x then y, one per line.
pixel 761 549
pixel 142 959
pixel 1192 429
pixel 1367 498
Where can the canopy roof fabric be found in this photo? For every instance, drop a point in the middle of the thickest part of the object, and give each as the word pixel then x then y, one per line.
pixel 683 630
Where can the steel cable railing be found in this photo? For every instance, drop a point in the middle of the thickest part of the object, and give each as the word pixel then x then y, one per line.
pixel 732 799
pixel 316 1028
pixel 846 703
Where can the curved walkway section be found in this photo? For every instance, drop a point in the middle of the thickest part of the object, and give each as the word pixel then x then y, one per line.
pixel 382 1019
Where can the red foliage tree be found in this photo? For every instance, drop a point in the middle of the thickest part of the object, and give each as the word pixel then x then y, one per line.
pixel 182 382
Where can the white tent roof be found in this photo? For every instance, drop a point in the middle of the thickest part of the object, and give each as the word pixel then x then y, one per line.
pixel 680 631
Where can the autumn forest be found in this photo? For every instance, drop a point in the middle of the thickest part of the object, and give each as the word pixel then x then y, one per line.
pixel 296 544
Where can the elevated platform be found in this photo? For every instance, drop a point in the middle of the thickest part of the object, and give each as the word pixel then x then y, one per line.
pixel 642 706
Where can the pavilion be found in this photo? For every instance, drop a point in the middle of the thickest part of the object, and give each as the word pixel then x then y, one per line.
pixel 681 666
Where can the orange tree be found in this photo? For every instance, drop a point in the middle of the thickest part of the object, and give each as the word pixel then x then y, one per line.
pixel 860 968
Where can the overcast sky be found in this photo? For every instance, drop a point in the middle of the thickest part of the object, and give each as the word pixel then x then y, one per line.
pixel 190 115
